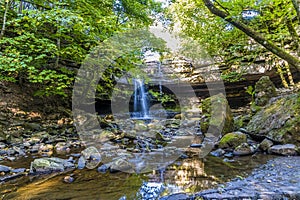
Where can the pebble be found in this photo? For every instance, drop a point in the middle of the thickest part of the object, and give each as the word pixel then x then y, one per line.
pixel 218 153
pixel 103 168
pixel 68 179
pixel 81 163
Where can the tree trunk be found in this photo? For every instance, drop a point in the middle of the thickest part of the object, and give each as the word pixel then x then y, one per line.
pixel 293 61
pixel 4 19
pixel 289 74
pixel 280 72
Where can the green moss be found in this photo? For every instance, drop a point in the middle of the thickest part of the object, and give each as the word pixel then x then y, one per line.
pixel 217 114
pixel 279 121
pixel 232 140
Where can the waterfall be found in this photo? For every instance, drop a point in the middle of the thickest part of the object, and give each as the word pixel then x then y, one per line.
pixel 140 101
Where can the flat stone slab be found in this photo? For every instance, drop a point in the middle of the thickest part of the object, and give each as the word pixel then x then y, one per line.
pixel 278 179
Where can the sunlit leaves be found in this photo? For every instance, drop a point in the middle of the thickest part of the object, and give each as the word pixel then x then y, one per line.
pixel 42 36
pixel 222 40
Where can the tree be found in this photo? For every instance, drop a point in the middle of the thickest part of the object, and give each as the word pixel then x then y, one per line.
pixel 259 38
pixel 44 42
pixel 226 26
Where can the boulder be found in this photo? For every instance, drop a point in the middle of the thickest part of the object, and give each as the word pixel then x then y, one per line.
pixel 264 91
pixel 243 149
pixel 49 165
pixel 217 115
pixel 265 144
pixel 284 150
pixel 232 140
pixel 120 164
pixel 278 121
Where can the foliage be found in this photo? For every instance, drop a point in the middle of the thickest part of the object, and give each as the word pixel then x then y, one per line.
pixel 275 20
pixel 250 90
pixel 232 76
pixel 44 42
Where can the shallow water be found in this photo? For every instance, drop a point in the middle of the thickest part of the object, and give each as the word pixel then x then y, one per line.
pixel 185 175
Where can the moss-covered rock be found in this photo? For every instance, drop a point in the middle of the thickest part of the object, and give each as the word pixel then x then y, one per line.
pixel 48 165
pixel 265 144
pixel 217 115
pixel 278 121
pixel 241 121
pixel 244 149
pixel 232 140
pixel 264 91
pixel 284 150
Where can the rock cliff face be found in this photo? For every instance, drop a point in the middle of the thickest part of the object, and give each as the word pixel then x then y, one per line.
pixel 217 114
pixel 278 121
pixel 264 91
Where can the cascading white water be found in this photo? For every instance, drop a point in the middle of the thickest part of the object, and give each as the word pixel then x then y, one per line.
pixel 140 102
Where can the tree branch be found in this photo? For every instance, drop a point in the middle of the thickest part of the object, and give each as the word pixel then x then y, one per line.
pixel 293 61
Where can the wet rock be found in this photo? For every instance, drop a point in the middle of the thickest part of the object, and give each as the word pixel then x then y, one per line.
pixel 3 152
pixel 9 177
pixel 285 150
pixel 11 158
pixel 265 144
pixel 76 155
pixel 68 179
pixel 218 153
pixel 19 150
pixel 217 115
pixel 178 116
pixel 18 170
pixel 264 91
pixel 35 148
pixel 11 151
pixel 232 140
pixel 4 168
pixel 196 145
pixel 279 121
pixel 48 165
pixel 177 196
pixel 228 154
pixel 2 145
pixel 243 150
pixel 141 126
pixel 150 190
pixel 81 163
pixel 103 168
pixel 46 149
pixel 92 157
pixel 120 164
pixel 62 148
pixel 155 125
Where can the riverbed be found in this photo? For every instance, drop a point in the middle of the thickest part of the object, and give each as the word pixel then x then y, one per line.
pixel 185 175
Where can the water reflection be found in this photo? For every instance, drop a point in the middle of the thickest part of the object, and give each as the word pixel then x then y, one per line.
pixel 186 175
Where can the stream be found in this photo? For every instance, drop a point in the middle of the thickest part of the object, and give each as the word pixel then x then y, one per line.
pixel 188 175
